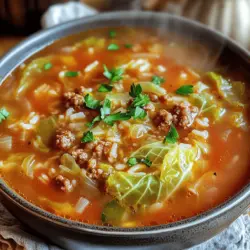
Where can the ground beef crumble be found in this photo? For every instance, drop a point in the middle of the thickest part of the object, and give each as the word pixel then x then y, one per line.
pixel 163 120
pixel 80 156
pixel 64 183
pixel 184 115
pixel 73 99
pixel 64 139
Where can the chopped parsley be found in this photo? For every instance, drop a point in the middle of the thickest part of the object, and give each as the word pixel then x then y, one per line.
pixel 158 80
pixel 114 75
pixel 47 66
pixel 105 88
pixel 146 161
pixel 138 113
pixel 87 137
pixel 112 34
pixel 4 114
pixel 71 74
pixel 128 45
pixel 113 47
pixel 141 100
pixel 91 103
pixel 110 119
pixel 172 135
pixel 132 161
pixel 91 124
pixel 185 90
pixel 135 90
pixel 105 109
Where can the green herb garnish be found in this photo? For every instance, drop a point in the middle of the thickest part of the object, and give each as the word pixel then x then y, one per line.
pixel 47 66
pixel 146 161
pixel 185 90
pixel 172 135
pixel 91 124
pixel 105 88
pixel 87 137
pixel 128 45
pixel 110 119
pixel 158 80
pixel 138 113
pixel 132 161
pixel 105 109
pixel 91 103
pixel 135 90
pixel 112 34
pixel 4 114
pixel 71 74
pixel 114 75
pixel 113 47
pixel 141 100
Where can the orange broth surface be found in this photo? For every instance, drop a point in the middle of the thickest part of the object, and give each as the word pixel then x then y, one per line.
pixel 227 165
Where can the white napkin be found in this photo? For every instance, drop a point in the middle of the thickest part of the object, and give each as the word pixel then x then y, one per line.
pixel 13 234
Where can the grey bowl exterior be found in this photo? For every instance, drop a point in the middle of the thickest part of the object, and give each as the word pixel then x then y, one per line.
pixel 75 235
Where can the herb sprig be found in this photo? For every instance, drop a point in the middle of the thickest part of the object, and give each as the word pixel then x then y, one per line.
pixel 132 161
pixel 4 114
pixel 185 90
pixel 172 135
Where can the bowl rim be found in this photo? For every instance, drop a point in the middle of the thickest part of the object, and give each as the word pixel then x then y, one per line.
pixel 15 56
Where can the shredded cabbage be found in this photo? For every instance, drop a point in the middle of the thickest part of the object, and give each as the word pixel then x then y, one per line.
pixel 177 165
pixel 154 151
pixel 238 120
pixel 233 92
pixel 28 165
pixel 152 88
pixel 95 42
pixel 30 72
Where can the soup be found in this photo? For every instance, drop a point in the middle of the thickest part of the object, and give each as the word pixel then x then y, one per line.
pixel 119 129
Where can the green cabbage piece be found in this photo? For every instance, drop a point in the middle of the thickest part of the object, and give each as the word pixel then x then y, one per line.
pixel 177 165
pixel 46 130
pixel 69 162
pixel 154 151
pixel 208 105
pixel 238 120
pixel 30 72
pixel 152 88
pixel 133 190
pixel 95 42
pixel 28 165
pixel 232 92
pixel 113 213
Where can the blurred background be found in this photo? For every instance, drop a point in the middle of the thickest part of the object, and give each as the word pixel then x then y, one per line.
pixel 20 18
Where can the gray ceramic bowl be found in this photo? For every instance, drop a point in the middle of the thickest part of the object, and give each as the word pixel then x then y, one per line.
pixel 179 235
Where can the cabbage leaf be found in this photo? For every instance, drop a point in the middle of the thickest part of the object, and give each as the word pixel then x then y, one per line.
pixel 232 92
pixel 154 151
pixel 152 88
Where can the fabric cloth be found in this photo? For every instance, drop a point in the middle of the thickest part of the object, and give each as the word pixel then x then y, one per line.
pixel 14 236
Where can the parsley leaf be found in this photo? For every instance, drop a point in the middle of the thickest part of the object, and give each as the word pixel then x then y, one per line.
pixel 87 137
pixel 146 161
pixel 132 161
pixel 91 124
pixel 141 100
pixel 4 114
pixel 113 75
pixel 105 88
pixel 138 113
pixel 113 46
pixel 172 135
pixel 110 119
pixel 158 80
pixel 112 34
pixel 71 73
pixel 135 90
pixel 185 90
pixel 128 45
pixel 91 103
pixel 47 66
pixel 105 109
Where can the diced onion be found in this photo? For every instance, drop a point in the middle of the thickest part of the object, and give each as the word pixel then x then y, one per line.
pixel 81 205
